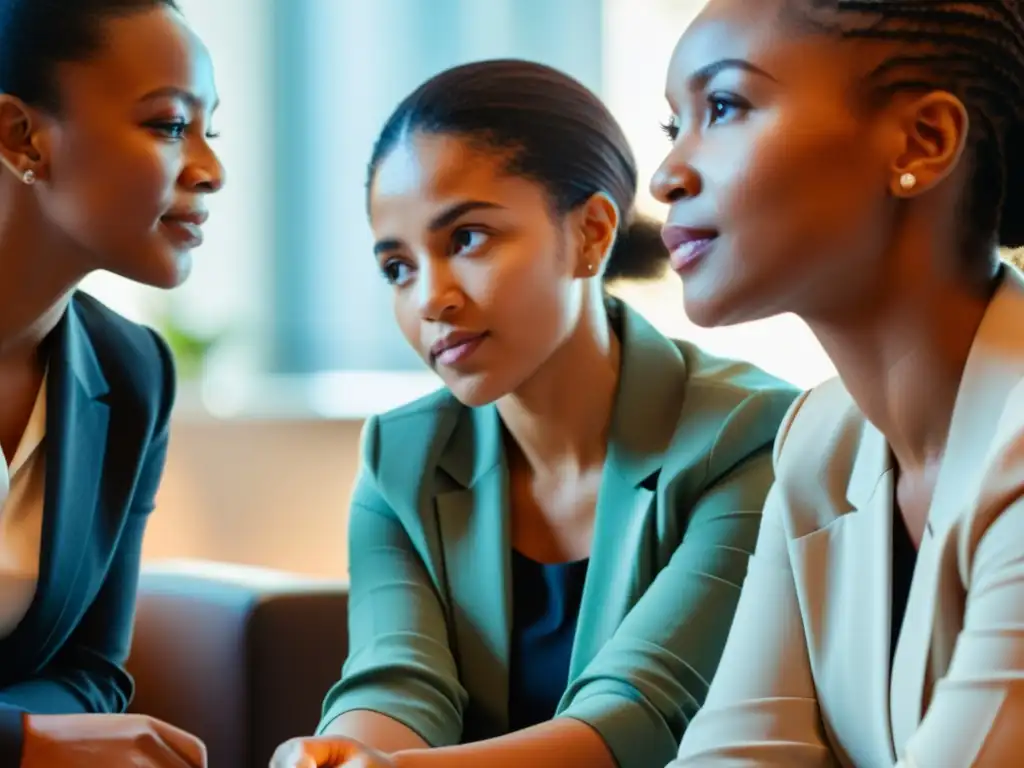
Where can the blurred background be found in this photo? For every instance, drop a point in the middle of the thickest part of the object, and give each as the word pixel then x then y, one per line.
pixel 284 334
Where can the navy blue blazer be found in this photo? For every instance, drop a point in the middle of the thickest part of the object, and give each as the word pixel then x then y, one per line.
pixel 110 390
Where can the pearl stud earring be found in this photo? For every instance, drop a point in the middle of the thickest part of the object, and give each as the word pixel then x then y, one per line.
pixel 908 181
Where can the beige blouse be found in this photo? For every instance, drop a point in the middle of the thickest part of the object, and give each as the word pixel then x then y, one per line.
pixel 22 481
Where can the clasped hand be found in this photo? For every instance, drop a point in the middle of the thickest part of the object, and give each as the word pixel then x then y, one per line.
pixel 328 752
pixel 111 741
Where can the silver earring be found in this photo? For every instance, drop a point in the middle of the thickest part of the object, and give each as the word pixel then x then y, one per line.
pixel 29 177
pixel 908 181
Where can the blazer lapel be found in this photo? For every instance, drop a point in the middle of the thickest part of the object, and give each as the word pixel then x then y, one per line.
pixel 995 365
pixel 475 536
pixel 76 440
pixel 652 385
pixel 859 652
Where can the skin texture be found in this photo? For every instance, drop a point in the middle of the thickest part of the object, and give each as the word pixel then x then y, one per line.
pixel 799 172
pixel 122 153
pixel 504 267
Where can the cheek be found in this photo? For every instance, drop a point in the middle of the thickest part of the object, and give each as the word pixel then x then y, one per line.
pixel 126 177
pixel 798 184
pixel 528 298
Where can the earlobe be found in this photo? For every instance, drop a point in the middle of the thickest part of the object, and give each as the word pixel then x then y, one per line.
pixel 934 137
pixel 599 222
pixel 20 150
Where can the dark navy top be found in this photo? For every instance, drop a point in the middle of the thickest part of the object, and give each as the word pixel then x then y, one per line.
pixel 545 605
pixel 904 558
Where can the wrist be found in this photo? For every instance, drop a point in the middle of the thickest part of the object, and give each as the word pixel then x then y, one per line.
pixel 410 758
pixel 33 726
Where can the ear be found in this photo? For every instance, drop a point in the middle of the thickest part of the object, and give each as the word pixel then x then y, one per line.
pixel 20 138
pixel 934 128
pixel 597 221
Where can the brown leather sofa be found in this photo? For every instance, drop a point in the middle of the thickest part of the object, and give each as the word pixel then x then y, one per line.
pixel 239 656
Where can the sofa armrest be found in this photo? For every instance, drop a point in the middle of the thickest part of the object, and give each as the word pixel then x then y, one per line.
pixel 239 656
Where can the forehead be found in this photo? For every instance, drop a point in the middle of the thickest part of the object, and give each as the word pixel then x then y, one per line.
pixel 775 35
pixel 439 169
pixel 142 52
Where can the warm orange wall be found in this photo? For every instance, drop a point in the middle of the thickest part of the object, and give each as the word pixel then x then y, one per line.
pixel 268 493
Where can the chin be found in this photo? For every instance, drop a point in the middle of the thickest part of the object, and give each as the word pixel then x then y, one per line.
pixel 718 309
pixel 710 314
pixel 165 269
pixel 474 391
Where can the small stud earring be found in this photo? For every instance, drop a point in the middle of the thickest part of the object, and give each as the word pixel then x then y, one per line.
pixel 29 177
pixel 908 181
pixel 590 267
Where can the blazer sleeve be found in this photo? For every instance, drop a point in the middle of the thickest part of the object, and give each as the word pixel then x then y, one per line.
pixel 646 684
pixel 977 708
pixel 399 664
pixel 87 675
pixel 762 709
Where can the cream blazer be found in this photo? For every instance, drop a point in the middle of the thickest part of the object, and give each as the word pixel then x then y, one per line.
pixel 805 677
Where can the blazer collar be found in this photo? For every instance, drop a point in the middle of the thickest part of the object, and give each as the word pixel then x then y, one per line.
pixel 994 366
pixel 652 383
pixel 72 346
pixel 77 418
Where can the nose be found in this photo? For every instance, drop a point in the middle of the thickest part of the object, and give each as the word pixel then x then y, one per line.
pixel 440 295
pixel 204 172
pixel 675 179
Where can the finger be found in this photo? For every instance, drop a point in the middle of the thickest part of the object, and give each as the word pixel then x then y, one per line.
pixel 328 752
pixel 153 752
pixel 292 754
pixel 186 746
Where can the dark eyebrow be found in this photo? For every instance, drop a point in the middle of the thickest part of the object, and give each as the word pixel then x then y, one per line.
pixel 173 92
pixel 699 79
pixel 444 219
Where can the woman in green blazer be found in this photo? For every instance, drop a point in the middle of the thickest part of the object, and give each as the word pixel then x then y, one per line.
pixel 546 555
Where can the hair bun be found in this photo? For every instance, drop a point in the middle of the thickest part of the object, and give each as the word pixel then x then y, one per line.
pixel 639 253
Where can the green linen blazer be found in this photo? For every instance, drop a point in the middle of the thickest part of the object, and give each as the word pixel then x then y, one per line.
pixel 688 466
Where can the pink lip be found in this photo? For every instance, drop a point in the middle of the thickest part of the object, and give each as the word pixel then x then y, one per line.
pixel 456 347
pixel 195 216
pixel 183 233
pixel 687 245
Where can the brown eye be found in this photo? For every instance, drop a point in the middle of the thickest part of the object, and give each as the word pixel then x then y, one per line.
pixel 467 240
pixel 722 108
pixel 396 272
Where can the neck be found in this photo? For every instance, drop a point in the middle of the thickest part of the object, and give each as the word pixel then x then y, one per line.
pixel 903 365
pixel 559 419
pixel 36 279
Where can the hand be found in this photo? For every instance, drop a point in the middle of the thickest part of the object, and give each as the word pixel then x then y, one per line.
pixel 328 752
pixel 113 741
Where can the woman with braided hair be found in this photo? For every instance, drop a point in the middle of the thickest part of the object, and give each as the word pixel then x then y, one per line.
pixel 860 163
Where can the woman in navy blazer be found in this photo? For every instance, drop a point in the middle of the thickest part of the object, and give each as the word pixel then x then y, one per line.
pixel 104 139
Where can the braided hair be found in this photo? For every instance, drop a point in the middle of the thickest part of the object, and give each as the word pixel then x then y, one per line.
pixel 975 51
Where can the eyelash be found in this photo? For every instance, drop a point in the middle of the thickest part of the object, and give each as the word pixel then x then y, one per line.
pixel 727 102
pixel 174 130
pixel 391 268
pixel 470 231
